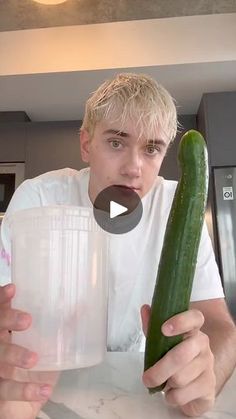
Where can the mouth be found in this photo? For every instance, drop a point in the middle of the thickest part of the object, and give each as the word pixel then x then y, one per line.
pixel 129 187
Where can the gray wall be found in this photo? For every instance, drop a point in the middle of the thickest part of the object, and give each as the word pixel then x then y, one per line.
pixel 12 142
pixel 52 145
pixel 43 146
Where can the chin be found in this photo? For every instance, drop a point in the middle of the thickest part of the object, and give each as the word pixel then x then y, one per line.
pixel 140 194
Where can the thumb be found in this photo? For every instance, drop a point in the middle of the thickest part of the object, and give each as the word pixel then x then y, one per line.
pixel 145 315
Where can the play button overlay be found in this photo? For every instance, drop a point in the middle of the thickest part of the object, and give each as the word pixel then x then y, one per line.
pixel 118 209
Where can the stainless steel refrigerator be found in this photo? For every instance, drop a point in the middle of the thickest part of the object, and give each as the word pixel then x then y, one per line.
pixel 224 186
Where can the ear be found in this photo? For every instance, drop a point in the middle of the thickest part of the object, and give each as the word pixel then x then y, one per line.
pixel 84 145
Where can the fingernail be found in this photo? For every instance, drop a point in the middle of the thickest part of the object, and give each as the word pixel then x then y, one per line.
pixel 27 359
pixel 22 320
pixel 147 382
pixel 8 287
pixel 45 391
pixel 168 328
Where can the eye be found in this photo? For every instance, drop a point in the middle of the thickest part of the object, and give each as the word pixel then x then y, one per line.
pixel 115 144
pixel 152 150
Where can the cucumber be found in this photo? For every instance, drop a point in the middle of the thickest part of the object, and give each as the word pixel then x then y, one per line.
pixel 180 247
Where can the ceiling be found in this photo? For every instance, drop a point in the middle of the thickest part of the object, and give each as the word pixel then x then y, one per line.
pixel 28 14
pixel 54 56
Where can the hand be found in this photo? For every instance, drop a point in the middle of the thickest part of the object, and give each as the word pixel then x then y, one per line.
pixel 22 392
pixel 188 368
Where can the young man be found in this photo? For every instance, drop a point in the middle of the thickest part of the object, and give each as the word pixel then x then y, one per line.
pixel 128 125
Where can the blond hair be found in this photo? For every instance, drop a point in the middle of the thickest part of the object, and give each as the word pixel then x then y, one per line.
pixel 135 97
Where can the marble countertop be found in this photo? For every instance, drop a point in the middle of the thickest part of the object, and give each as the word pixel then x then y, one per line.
pixel 114 390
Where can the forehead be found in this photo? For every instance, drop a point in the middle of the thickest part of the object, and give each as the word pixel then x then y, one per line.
pixel 130 129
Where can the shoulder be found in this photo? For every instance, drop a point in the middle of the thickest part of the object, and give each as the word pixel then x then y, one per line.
pixel 50 188
pixel 167 185
pixel 57 177
pixel 157 202
pixel 48 185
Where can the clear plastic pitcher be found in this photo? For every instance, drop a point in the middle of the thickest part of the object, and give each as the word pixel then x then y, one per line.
pixel 59 268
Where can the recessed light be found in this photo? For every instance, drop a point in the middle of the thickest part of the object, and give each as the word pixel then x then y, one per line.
pixel 50 2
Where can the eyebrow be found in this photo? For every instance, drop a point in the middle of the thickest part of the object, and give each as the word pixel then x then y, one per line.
pixel 117 132
pixel 157 141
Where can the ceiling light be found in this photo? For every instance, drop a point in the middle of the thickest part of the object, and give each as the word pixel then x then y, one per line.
pixel 50 2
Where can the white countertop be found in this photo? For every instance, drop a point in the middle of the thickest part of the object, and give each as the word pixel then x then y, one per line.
pixel 114 390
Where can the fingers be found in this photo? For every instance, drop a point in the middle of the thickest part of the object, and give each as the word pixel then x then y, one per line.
pixel 5 336
pixel 191 371
pixel 13 390
pixel 202 387
pixel 176 359
pixel 186 322
pixel 17 356
pixel 12 356
pixel 199 406
pixel 145 315
pixel 12 319
pixel 7 292
pixel 188 368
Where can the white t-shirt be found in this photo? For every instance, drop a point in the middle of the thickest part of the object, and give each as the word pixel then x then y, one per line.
pixel 133 256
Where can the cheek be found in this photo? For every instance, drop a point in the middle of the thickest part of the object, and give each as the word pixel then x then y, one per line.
pixel 104 171
pixel 108 179
pixel 158 165
pixel 153 169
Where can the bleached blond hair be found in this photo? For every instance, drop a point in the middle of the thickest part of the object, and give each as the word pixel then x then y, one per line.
pixel 135 97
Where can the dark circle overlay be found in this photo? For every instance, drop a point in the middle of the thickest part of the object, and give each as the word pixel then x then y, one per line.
pixel 124 222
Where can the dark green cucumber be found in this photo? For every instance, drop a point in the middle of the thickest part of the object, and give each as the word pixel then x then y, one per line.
pixel 180 247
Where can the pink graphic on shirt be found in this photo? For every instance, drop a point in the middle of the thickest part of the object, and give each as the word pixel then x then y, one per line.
pixel 6 256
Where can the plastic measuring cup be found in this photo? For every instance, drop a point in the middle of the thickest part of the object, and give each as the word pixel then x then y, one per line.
pixel 58 259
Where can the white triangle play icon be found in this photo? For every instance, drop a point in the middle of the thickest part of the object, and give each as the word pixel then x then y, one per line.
pixel 116 209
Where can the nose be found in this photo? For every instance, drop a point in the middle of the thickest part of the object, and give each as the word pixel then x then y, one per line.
pixel 132 166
